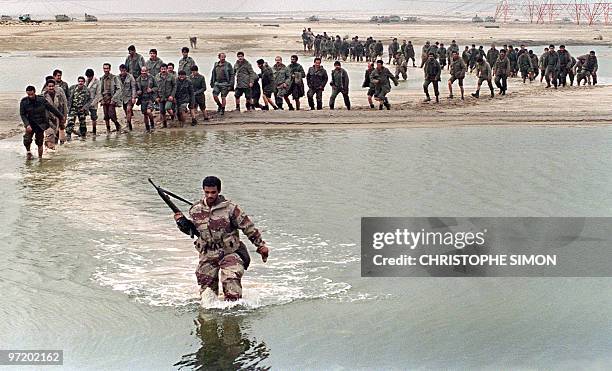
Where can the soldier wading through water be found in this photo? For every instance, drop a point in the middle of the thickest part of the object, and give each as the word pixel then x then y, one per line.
pixel 223 256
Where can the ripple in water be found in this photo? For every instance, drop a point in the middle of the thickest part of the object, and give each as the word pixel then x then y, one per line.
pixel 161 273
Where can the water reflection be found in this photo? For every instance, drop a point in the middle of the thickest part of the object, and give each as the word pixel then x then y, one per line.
pixel 224 345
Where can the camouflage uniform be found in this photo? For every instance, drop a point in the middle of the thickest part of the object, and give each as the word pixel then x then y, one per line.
pixel 221 253
pixel 316 81
pixel 134 64
pixel 280 76
pixel 185 64
pixel 78 107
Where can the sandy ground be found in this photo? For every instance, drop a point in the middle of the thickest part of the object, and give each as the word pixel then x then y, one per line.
pixel 528 104
pixel 102 38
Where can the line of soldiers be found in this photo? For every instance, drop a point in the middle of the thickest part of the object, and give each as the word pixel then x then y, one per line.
pixel 156 86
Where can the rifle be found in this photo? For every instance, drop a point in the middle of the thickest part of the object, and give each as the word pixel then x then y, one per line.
pixel 164 196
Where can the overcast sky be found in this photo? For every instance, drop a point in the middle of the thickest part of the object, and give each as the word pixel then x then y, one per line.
pixel 177 6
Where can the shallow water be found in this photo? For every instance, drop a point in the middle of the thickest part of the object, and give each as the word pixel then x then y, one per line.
pixel 93 264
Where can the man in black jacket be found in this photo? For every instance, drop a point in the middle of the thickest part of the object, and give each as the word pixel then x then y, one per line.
pixel 33 110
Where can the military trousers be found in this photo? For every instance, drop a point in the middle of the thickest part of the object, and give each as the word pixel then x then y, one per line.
pixel 551 75
pixel 72 117
pixel 435 86
pixel 501 81
pixel 215 265
pixel 319 95
pixel 345 95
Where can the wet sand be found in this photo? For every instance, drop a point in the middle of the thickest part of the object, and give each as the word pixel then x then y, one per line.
pixel 526 104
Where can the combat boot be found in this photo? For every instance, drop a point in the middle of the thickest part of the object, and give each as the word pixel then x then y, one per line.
pixel 380 107
pixel 427 99
pixel 194 122
pixel 290 106
pixel 437 99
pixel 492 93
pixel 388 106
pixel 477 94
pixel 238 107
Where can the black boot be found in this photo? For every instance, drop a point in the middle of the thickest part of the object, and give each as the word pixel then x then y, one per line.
pixel 477 94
